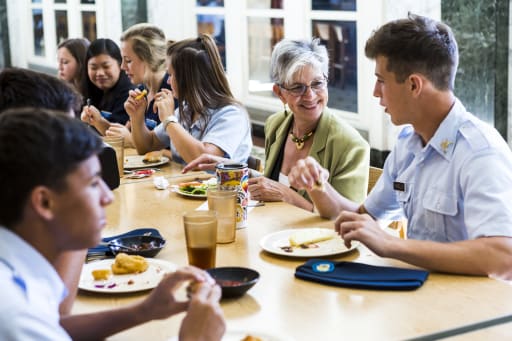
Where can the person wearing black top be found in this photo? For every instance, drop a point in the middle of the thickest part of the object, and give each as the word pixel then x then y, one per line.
pixel 106 87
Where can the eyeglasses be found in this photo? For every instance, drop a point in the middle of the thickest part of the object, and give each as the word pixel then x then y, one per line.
pixel 300 89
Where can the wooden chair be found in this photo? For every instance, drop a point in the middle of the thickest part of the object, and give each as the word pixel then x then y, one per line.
pixel 398 225
pixel 255 163
pixel 375 174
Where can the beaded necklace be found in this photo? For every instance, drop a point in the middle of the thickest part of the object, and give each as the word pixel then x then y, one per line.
pixel 299 141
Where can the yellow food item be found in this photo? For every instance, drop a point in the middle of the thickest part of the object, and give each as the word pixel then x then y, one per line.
pixel 152 157
pixel 319 186
pixel 310 236
pixel 251 338
pixel 142 94
pixel 128 264
pixel 192 288
pixel 101 274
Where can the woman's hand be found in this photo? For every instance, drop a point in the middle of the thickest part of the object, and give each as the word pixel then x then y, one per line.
pixel 117 129
pixel 307 174
pixel 265 189
pixel 164 104
pixel 90 114
pixel 135 108
pixel 205 161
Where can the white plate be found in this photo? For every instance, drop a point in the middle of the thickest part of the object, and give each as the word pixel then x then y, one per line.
pixel 211 181
pixel 191 195
pixel 135 161
pixel 121 283
pixel 275 242
pixel 238 335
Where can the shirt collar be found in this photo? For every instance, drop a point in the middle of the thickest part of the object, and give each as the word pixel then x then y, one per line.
pixel 25 261
pixel 444 139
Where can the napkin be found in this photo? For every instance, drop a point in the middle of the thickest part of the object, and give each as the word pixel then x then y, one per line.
pixel 137 232
pixel 160 182
pixel 358 275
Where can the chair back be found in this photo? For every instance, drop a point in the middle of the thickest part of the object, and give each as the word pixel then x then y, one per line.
pixel 375 174
pixel 399 226
pixel 255 163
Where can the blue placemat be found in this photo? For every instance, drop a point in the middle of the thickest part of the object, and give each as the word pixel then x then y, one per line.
pixel 358 275
pixel 137 232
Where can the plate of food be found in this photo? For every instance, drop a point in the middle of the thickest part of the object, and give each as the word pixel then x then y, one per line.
pixel 124 274
pixel 305 242
pixel 148 160
pixel 196 189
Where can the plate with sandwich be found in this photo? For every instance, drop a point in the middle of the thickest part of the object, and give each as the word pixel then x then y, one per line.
pixel 150 159
pixel 305 242
pixel 196 189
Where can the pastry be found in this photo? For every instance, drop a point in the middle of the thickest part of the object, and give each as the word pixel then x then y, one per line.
pixel 101 274
pixel 128 264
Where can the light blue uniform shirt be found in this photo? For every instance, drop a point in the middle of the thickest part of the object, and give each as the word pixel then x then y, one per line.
pixel 30 293
pixel 457 187
pixel 229 129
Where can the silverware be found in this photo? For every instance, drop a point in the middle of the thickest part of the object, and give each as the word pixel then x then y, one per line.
pixel 124 247
pixel 94 256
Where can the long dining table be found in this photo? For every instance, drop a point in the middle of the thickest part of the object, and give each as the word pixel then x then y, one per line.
pixel 287 308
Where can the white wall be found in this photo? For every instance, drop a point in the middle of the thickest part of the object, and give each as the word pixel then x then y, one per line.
pixel 17 17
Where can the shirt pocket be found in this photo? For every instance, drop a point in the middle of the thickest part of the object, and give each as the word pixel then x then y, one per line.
pixel 438 206
pixel 440 202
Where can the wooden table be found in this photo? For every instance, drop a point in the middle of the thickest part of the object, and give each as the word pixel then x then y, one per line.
pixel 281 303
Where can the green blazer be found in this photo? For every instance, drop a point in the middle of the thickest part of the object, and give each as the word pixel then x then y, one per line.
pixel 337 146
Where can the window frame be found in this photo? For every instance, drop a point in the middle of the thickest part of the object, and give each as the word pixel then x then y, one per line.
pixel 74 9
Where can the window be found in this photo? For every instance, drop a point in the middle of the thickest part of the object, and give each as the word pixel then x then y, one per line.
pixel 54 21
pixel 61 26
pixel 335 22
pixel 210 20
pixel 89 25
pixel 340 39
pixel 38 29
pixel 263 34
pixel 265 28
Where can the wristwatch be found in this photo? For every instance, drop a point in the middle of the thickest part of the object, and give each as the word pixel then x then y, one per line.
pixel 168 120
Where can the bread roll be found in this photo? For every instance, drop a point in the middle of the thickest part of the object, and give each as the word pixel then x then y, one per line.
pixel 152 157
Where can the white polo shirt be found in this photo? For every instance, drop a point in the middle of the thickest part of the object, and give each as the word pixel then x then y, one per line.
pixel 30 293
pixel 228 128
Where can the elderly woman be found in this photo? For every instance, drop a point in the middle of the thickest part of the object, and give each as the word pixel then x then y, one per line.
pixel 208 119
pixel 307 129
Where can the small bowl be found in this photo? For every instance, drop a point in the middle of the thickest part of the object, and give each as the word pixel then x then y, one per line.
pixel 234 281
pixel 145 246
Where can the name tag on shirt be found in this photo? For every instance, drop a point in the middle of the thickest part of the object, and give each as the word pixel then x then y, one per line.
pixel 399 186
